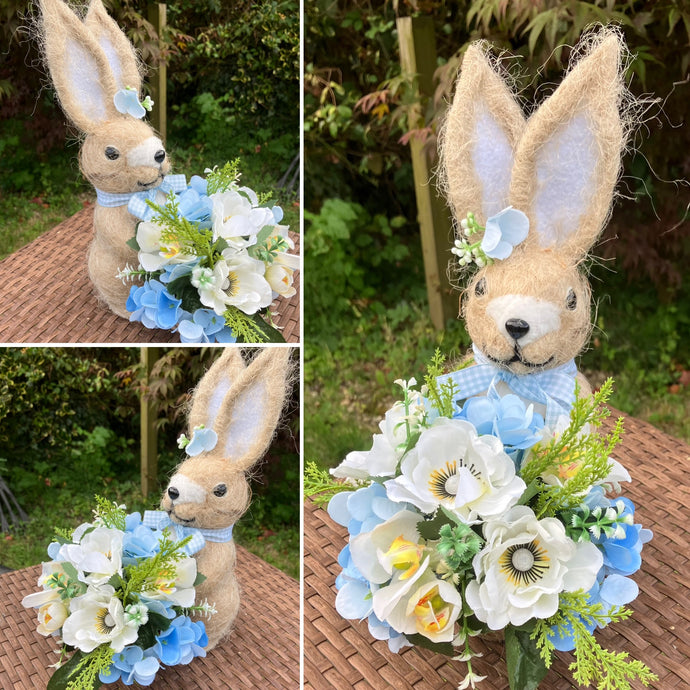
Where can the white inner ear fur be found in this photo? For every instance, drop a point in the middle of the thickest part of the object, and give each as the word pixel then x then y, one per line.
pixel 190 491
pixel 84 81
pixel 565 168
pixel 543 317
pixel 113 60
pixel 247 420
pixel 492 156
pixel 143 154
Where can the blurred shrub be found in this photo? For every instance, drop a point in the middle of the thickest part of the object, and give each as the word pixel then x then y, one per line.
pixel 243 55
pixel 357 102
pixel 65 418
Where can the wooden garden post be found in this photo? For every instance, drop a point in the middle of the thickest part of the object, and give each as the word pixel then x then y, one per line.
pixel 149 432
pixel 157 14
pixel 418 57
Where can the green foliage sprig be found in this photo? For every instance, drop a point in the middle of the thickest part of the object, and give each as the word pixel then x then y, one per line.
pixel 442 397
pixel 142 576
pixel 221 179
pixel 593 664
pixel 181 233
pixel 588 452
pixel 109 514
pixel 581 523
pixel 319 486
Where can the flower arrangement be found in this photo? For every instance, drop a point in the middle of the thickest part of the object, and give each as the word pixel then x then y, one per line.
pixel 478 517
pixel 211 258
pixel 119 594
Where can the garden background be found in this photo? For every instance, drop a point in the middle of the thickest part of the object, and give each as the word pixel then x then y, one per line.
pixel 69 429
pixel 69 420
pixel 366 318
pixel 233 91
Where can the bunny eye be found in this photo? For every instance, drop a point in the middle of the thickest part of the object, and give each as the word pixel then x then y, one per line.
pixel 111 153
pixel 220 490
pixel 480 288
pixel 571 300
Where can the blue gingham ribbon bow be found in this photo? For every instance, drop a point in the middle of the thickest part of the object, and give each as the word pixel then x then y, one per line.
pixel 136 201
pixel 554 388
pixel 158 519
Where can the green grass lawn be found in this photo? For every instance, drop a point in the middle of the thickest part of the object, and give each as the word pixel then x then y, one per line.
pixel 25 215
pixel 26 545
pixel 349 387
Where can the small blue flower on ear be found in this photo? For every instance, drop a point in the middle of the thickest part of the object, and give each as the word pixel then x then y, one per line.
pixel 504 231
pixel 202 439
pixel 127 102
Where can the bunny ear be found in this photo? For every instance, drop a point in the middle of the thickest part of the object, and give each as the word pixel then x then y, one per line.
pixel 568 159
pixel 78 66
pixel 242 403
pixel 116 46
pixel 483 127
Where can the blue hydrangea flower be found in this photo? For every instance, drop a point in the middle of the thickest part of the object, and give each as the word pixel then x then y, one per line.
pixel 205 326
pixel 360 511
pixel 139 543
pixel 127 102
pixel 195 207
pixel 503 232
pixel 202 439
pixel 131 665
pixel 181 642
pixel 508 418
pixel 153 305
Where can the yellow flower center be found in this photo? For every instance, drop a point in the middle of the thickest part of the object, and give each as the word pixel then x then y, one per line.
pixel 431 612
pixel 405 555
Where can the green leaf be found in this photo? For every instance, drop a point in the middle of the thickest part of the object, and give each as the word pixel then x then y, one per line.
pixel 61 677
pixel 270 334
pixel 526 668
pixel 183 289
pixel 133 244
pixel 70 571
pixel 438 647
pixel 159 621
pixel 199 579
pixel 533 488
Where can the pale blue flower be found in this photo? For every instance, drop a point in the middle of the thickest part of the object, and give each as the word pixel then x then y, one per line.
pixel 131 665
pixel 503 232
pixel 127 102
pixel 181 642
pixel 153 305
pixel 205 326
pixel 202 440
pixel 508 419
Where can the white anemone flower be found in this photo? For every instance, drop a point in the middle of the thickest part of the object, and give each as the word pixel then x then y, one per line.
pixel 153 255
pixel 97 618
pixel 248 289
pixel 388 446
pixel 237 218
pixel 453 467
pixel 97 556
pixel 524 566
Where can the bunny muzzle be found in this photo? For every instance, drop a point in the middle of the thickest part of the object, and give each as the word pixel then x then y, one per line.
pixel 124 157
pixel 541 325
pixel 208 500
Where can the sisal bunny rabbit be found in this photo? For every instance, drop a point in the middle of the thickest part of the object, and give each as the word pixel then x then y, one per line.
pixel 95 72
pixel 234 413
pixel 529 314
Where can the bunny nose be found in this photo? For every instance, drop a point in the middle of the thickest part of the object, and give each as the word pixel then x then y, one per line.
pixel 173 493
pixel 517 328
pixel 160 156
